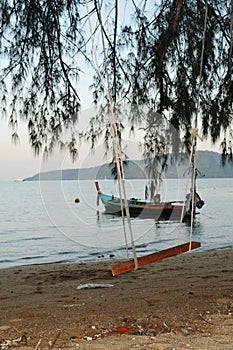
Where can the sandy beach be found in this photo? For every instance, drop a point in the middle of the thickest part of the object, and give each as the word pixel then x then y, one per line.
pixel 184 302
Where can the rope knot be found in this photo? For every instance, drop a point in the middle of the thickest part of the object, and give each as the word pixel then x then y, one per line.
pixel 114 120
pixel 195 134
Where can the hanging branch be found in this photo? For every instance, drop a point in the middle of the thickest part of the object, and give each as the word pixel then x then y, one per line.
pixel 109 42
pixel 167 37
pixel 230 54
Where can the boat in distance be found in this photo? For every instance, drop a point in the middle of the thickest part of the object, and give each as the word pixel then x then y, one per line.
pixel 145 209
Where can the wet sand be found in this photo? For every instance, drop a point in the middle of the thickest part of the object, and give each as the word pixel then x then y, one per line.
pixel 184 302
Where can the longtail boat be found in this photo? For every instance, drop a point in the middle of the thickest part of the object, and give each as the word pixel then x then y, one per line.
pixel 146 209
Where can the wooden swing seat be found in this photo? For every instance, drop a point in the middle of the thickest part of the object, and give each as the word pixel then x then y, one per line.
pixel 129 265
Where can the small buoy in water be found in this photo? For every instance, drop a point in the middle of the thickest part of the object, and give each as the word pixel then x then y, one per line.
pixel 77 200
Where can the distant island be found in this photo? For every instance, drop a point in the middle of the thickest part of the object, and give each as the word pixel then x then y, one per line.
pixel 208 163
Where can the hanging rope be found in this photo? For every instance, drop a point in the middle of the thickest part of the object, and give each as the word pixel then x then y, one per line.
pixel 195 135
pixel 118 157
pixel 185 194
pixel 193 187
pixel 114 136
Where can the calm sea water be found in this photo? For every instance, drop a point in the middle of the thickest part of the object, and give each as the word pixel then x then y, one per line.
pixel 41 223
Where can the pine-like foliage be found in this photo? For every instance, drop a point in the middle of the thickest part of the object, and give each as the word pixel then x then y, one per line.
pixel 157 64
pixel 38 41
pixel 149 54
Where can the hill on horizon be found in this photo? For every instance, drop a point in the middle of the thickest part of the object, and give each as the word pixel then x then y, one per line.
pixel 208 163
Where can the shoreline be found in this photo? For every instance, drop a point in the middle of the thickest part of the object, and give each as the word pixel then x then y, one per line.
pixel 107 260
pixel 177 303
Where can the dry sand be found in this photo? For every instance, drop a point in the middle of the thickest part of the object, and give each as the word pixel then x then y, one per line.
pixel 184 302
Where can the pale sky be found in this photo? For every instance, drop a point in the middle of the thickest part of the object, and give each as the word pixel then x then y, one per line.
pixel 18 161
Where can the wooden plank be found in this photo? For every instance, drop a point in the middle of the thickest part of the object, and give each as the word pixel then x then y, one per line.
pixel 129 265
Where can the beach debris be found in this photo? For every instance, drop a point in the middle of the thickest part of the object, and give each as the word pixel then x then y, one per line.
pixel 51 343
pixel 87 338
pixel 38 344
pixel 94 285
pixel 204 319
pixel 8 343
pixel 122 330
pixel 98 334
pixel 5 328
pixel 73 305
pixel 184 331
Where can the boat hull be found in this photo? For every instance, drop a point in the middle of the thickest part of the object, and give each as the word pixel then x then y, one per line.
pixel 171 211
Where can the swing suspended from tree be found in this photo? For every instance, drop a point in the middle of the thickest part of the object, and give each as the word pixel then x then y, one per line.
pixel 124 205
